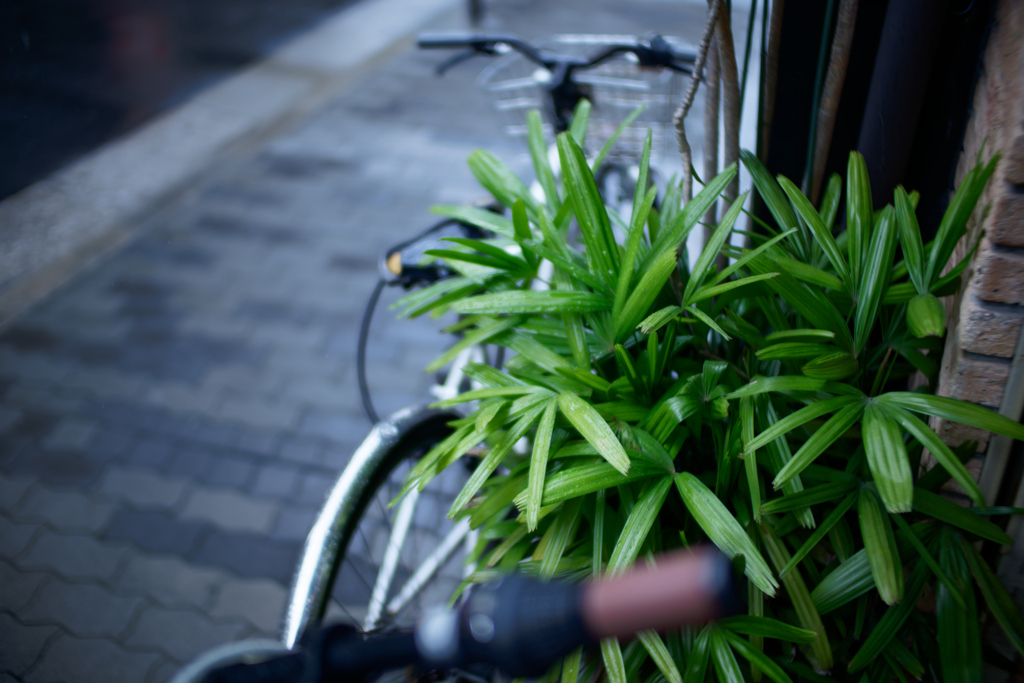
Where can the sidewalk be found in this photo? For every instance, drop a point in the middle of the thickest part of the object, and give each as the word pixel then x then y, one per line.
pixel 171 418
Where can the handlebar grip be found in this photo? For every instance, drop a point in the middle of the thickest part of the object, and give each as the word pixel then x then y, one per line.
pixel 448 39
pixel 685 587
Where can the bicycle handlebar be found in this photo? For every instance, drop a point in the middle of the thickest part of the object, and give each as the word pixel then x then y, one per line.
pixel 651 51
pixel 521 626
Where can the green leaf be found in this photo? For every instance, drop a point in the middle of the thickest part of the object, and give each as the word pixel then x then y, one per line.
pixel 493 459
pixel 880 544
pixel 849 581
pixel 756 657
pixel 750 455
pixel 717 290
pixel 812 542
pixel 655 321
pixel 638 525
pixel 830 201
pixel 822 235
pixel 588 478
pixel 530 349
pixel 859 210
pixel 601 249
pixel 714 245
pixel 814 495
pixel 697 665
pixel 800 417
pixel 800 335
pixel 726 666
pixel 786 350
pixel 796 589
pixel 922 551
pixel 636 306
pixel 529 301
pixel 655 647
pixel 958 624
pixel 580 121
pixel 958 411
pixel 610 143
pixel 789 383
pixel 767 627
pixel 594 429
pixel 481 218
pixel 564 527
pixel 706 319
pixel 674 235
pixel 826 435
pixel 539 464
pixel 633 240
pixel 954 221
pixel 539 153
pixel 891 622
pixel 807 273
pixel 887 458
pixel 614 667
pixel 501 182
pixel 723 529
pixel 910 239
pixel 481 394
pixel 750 254
pixel 949 512
pixel 930 440
pixel 874 278
pixel 566 264
pixel 477 336
pixel 769 190
pixel 999 602
pixel 507 261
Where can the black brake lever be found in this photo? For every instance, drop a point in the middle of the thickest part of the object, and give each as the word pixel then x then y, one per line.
pixel 455 60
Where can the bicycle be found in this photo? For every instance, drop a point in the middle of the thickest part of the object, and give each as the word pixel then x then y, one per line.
pixel 355 529
pixel 518 625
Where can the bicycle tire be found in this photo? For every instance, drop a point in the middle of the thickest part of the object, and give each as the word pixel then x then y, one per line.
pixel 344 558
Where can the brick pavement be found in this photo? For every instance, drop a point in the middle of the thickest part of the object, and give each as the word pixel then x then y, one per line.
pixel 171 418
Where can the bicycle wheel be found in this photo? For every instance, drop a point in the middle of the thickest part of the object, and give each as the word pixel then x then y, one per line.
pixel 378 568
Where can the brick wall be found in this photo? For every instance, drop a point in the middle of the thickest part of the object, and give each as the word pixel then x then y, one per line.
pixel 986 317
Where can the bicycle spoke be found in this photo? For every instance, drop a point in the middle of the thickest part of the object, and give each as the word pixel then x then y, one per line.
pixel 391 556
pixel 430 566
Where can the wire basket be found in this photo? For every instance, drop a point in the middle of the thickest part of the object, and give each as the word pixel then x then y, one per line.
pixel 616 87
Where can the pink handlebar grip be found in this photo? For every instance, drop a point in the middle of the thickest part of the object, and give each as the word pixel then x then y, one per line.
pixel 685 587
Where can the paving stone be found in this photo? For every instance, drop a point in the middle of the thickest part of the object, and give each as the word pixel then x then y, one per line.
pixel 302 450
pixel 170 581
pixel 17 587
pixel 12 489
pixel 57 467
pixel 22 644
pixel 8 418
pixel 230 510
pixel 151 452
pixel 293 524
pixel 143 488
pixel 313 488
pixel 155 531
pixel 85 609
pixel 74 557
pixel 229 471
pixel 180 634
pixel 259 602
pixel 64 510
pixel 14 538
pixel 260 443
pixel 71 433
pixel 276 481
pixel 248 555
pixel 90 660
pixel 163 672
pixel 342 428
pixel 109 444
pixel 258 412
pixel 191 462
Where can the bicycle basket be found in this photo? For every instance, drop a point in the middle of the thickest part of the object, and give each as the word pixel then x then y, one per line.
pixel 617 86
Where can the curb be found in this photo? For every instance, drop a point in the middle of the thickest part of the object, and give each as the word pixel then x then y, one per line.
pixel 58 226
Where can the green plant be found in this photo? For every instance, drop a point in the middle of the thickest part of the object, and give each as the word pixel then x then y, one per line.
pixel 757 407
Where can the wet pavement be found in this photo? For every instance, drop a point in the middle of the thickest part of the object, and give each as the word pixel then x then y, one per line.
pixel 171 418
pixel 77 73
